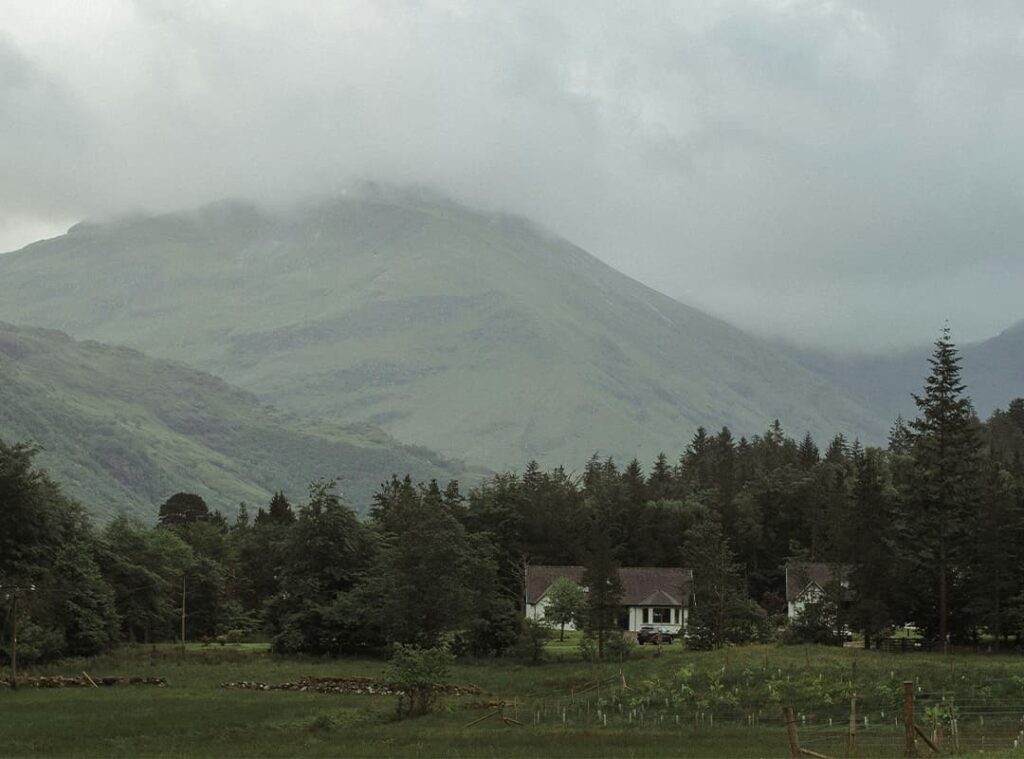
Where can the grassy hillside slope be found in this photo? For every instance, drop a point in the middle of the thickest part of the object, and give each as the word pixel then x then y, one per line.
pixel 122 431
pixel 475 335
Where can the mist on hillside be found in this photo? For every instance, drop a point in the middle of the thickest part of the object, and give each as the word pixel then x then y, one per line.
pixel 835 174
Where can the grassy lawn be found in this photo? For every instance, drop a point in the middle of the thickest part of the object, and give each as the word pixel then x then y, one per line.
pixel 194 716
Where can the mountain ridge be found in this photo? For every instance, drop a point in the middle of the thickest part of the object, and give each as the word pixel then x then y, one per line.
pixel 473 334
pixel 123 431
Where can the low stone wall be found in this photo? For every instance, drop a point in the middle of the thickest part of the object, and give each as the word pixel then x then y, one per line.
pixel 357 685
pixel 58 681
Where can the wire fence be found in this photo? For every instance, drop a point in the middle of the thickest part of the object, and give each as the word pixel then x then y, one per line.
pixel 943 724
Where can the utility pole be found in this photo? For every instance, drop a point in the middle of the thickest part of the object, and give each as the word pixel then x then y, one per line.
pixel 183 615
pixel 12 595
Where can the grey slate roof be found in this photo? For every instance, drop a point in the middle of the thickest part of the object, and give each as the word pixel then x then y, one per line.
pixel 800 574
pixel 641 586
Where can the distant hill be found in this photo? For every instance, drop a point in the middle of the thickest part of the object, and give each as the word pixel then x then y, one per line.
pixel 993 371
pixel 476 335
pixel 122 431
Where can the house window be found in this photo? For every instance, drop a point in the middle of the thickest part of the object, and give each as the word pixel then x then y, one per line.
pixel 662 615
pixel 645 619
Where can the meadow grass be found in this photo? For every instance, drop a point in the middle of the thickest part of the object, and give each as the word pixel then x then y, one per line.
pixel 194 716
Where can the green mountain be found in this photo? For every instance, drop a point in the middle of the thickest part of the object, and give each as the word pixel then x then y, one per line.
pixel 122 431
pixel 476 335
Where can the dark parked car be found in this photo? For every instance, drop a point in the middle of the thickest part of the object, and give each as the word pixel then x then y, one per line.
pixel 649 634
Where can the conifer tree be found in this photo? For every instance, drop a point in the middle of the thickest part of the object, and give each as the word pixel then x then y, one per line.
pixel 659 484
pixel 808 453
pixel 280 510
pixel 604 588
pixel 838 451
pixel 901 439
pixel 945 451
pixel 717 584
pixel 869 542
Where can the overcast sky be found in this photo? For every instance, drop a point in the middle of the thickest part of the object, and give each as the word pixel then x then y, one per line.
pixel 839 173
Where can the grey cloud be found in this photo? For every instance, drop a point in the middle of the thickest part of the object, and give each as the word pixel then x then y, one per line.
pixel 834 172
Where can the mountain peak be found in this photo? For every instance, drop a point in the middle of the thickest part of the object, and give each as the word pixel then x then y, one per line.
pixel 473 333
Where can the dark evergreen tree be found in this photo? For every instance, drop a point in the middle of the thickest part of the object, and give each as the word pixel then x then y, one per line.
pixel 604 588
pixel 454 501
pixel 992 557
pixel 717 585
pixel 660 484
pixel 869 536
pixel 808 454
pixel 945 451
pixel 838 451
pixel 901 439
pixel 280 510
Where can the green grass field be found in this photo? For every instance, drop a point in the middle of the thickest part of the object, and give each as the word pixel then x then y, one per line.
pixel 194 716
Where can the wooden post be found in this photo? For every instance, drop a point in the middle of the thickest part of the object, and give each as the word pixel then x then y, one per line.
pixel 908 719
pixel 14 640
pixel 183 615
pixel 851 739
pixel 15 589
pixel 794 741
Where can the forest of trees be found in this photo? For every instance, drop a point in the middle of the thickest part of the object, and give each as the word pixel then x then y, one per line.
pixel 930 527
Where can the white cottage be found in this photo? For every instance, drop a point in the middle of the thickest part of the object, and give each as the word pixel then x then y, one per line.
pixel 807 582
pixel 650 595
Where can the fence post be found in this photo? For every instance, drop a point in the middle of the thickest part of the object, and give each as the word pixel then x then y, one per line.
pixel 794 742
pixel 908 718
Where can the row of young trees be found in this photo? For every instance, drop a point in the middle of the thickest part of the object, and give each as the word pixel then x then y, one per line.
pixel 930 527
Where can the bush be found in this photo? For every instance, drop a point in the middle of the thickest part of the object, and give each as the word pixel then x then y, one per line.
pixel 588 648
pixel 532 639
pixel 234 636
pixel 36 643
pixel 418 673
pixel 619 647
pixel 815 624
pixel 494 632
pixel 700 634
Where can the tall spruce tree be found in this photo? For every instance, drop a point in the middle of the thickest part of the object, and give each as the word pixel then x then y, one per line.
pixel 868 542
pixel 604 588
pixel 945 452
pixel 717 584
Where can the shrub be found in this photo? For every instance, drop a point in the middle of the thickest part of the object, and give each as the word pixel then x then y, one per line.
pixel 588 648
pixel 418 673
pixel 494 632
pixel 619 647
pixel 816 623
pixel 234 636
pixel 532 639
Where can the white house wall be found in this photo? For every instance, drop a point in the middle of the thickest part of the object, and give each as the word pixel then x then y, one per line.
pixel 536 612
pixel 811 594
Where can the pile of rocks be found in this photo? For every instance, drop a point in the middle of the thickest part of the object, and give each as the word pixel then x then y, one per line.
pixel 358 685
pixel 58 681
